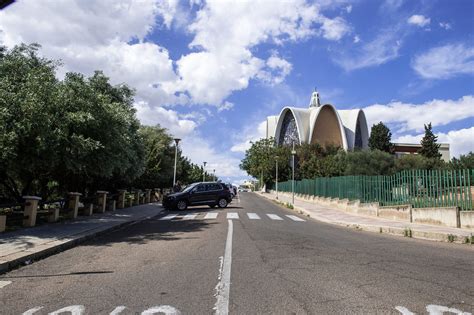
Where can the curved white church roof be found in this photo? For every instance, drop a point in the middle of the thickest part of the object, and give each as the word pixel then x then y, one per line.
pixel 321 124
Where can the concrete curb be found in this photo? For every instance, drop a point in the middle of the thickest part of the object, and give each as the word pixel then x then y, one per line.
pixel 62 245
pixel 412 233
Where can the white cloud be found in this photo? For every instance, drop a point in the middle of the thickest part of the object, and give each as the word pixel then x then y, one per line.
pixel 419 20
pixel 445 25
pixel 276 70
pixel 408 116
pixel 199 150
pixel 168 119
pixel 460 141
pixel 356 39
pixel 445 62
pixel 349 8
pixel 250 135
pixel 334 29
pixel 383 48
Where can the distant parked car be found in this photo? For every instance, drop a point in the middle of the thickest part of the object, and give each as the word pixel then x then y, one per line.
pixel 206 193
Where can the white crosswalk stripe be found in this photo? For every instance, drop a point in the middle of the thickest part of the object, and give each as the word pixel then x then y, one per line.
pixel 295 218
pixel 211 215
pixel 274 217
pixel 189 217
pixel 169 217
pixel 253 216
pixel 232 215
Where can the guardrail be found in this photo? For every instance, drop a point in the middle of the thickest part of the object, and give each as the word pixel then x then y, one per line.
pixel 420 188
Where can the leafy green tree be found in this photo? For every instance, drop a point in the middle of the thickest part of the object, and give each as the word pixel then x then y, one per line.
pixel 67 135
pixel 373 162
pixel 465 161
pixel 429 145
pixel 380 138
pixel 417 162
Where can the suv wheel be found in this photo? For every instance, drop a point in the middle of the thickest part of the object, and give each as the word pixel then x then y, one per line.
pixel 222 203
pixel 181 205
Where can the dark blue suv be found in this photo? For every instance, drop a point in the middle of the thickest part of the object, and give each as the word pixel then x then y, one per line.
pixel 207 193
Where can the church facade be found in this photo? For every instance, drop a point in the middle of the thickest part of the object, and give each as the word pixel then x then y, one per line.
pixel 321 124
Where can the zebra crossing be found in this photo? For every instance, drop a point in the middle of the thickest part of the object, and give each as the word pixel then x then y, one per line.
pixel 229 215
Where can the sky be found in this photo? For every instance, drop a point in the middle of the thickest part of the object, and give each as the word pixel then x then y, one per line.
pixel 212 71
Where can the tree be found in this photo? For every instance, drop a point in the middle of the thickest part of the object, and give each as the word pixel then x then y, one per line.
pixel 417 162
pixel 429 145
pixel 365 162
pixel 66 134
pixel 465 161
pixel 380 138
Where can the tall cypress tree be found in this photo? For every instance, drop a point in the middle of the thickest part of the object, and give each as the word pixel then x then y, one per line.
pixel 381 138
pixel 429 145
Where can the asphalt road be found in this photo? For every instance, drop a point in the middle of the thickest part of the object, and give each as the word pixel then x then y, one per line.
pixel 249 263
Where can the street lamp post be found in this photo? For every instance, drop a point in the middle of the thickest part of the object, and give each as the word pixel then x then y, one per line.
pixel 176 140
pixel 214 174
pixel 204 172
pixel 293 153
pixel 276 160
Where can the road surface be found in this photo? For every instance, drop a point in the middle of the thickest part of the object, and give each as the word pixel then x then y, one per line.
pixel 254 257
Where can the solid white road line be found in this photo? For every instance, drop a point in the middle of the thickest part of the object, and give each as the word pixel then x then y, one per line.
pixel 253 216
pixel 232 215
pixel 4 283
pixel 189 216
pixel 211 215
pixel 169 217
pixel 295 218
pixel 223 287
pixel 274 217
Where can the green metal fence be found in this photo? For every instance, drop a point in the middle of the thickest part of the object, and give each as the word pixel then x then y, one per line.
pixel 420 188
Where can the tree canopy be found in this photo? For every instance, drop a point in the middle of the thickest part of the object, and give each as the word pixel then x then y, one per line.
pixel 429 145
pixel 380 138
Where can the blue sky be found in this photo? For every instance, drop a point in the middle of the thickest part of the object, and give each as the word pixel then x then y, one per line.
pixel 211 71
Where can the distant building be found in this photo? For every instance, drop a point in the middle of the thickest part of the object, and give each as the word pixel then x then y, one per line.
pixel 321 124
pixel 401 149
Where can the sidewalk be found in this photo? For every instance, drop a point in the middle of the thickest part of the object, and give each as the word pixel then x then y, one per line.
pixel 23 245
pixel 375 224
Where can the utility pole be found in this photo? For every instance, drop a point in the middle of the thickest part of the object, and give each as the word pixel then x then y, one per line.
pixel 204 172
pixel 176 140
pixel 276 159
pixel 293 153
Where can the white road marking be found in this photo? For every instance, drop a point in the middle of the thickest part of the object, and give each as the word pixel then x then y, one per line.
pixel 274 216
pixel 211 215
pixel 33 310
pixel 118 310
pixel 223 287
pixel 73 309
pixel 295 218
pixel 440 310
pixel 404 310
pixel 165 309
pixel 4 283
pixel 232 215
pixel 189 216
pixel 169 217
pixel 253 216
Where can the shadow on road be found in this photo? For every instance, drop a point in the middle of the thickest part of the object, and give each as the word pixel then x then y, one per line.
pixel 155 229
pixel 79 273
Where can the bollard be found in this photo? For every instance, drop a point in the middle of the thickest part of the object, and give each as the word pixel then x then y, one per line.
pixel 31 208
pixel 121 199
pixel 136 201
pixel 101 200
pixel 73 205
pixel 3 223
pixel 54 217
pixel 147 195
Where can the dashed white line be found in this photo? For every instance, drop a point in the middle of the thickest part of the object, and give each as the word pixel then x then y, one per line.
pixel 211 215
pixel 253 216
pixel 274 217
pixel 295 218
pixel 223 287
pixel 169 217
pixel 232 215
pixel 4 283
pixel 189 216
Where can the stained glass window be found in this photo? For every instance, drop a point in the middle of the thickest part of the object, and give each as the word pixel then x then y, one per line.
pixel 289 131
